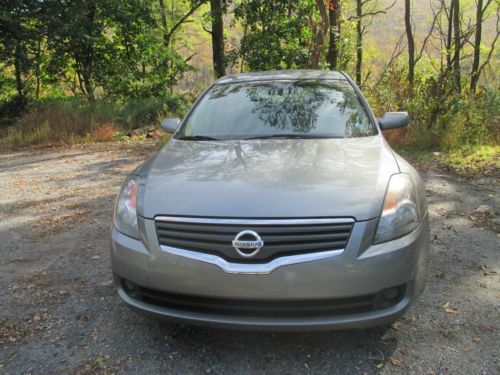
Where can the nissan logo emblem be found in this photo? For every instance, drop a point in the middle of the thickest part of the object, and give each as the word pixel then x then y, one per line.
pixel 254 244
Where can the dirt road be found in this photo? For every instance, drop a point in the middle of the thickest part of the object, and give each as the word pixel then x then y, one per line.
pixel 59 312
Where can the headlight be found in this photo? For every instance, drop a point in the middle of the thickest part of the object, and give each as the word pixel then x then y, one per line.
pixel 400 214
pixel 125 216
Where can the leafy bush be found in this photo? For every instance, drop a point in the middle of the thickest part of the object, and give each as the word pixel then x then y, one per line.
pixel 11 109
pixel 440 119
pixel 71 120
pixel 148 111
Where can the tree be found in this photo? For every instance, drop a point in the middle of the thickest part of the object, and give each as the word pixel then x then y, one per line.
pixel 365 11
pixel 124 47
pixel 217 34
pixel 173 64
pixel 277 33
pixel 334 33
pixel 476 68
pixel 169 32
pixel 18 35
pixel 77 37
pixel 449 34
pixel 413 56
pixel 320 36
pixel 411 44
pixel 456 45
pixel 359 40
pixel 453 37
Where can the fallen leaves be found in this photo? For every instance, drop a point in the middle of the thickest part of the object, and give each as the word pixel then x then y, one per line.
pixel 486 270
pixel 438 274
pixel 395 362
pixel 82 317
pixel 485 210
pixel 410 319
pixel 56 223
pixel 436 240
pixel 443 212
pixel 450 227
pixel 450 309
pixel 483 216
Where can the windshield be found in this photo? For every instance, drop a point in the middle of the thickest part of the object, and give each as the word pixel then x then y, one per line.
pixel 301 109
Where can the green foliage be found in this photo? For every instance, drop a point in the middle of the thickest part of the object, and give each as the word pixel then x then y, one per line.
pixel 71 120
pixel 101 66
pixel 277 33
pixel 95 48
pixel 92 38
pixel 11 109
pixel 19 39
pixel 440 118
pixel 470 162
pixel 146 111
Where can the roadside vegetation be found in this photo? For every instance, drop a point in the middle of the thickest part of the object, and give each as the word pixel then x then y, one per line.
pixel 76 120
pixel 95 70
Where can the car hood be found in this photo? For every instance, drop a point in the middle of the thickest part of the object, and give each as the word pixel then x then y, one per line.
pixel 271 178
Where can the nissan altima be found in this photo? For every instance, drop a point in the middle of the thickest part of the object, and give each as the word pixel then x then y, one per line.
pixel 276 204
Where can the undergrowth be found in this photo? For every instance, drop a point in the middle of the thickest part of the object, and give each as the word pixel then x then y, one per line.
pixel 76 120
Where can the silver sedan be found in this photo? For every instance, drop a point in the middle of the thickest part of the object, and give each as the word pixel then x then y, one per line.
pixel 276 204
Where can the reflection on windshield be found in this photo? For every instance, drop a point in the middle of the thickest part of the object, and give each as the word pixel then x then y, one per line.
pixel 292 108
pixel 274 108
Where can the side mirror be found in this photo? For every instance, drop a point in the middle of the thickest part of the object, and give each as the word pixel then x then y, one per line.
pixel 170 125
pixel 393 120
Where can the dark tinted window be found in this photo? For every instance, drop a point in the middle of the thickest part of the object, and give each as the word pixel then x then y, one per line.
pixel 308 108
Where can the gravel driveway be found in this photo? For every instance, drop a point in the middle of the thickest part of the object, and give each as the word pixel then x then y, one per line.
pixel 60 314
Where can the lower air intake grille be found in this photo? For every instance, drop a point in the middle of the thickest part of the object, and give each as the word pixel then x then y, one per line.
pixel 257 308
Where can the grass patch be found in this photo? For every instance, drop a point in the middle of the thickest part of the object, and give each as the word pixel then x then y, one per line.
pixel 75 120
pixel 470 162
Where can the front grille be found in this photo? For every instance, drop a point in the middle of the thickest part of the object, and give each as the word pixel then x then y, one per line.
pixel 257 308
pixel 280 237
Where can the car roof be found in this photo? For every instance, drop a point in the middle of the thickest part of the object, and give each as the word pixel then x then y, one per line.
pixel 276 75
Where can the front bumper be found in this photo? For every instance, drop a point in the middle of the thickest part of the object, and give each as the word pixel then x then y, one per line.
pixel 361 269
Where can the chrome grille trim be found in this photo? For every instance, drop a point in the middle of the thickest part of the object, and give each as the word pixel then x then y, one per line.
pixel 203 220
pixel 251 269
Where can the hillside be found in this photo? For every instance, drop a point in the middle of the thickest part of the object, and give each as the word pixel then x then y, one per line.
pixel 382 36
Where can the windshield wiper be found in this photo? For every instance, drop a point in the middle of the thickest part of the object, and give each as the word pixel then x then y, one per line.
pixel 198 138
pixel 293 136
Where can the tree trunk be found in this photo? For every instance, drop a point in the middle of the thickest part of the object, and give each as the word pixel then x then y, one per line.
pixel 477 47
pixel 37 65
pixel 449 36
pixel 80 82
pixel 169 34
pixel 457 47
pixel 163 15
pixel 87 81
pixel 359 41
pixel 17 70
pixel 217 38
pixel 411 45
pixel 333 48
pixel 319 41
pixel 88 53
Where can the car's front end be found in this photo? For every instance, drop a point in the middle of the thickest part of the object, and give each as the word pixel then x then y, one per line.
pixel 272 233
